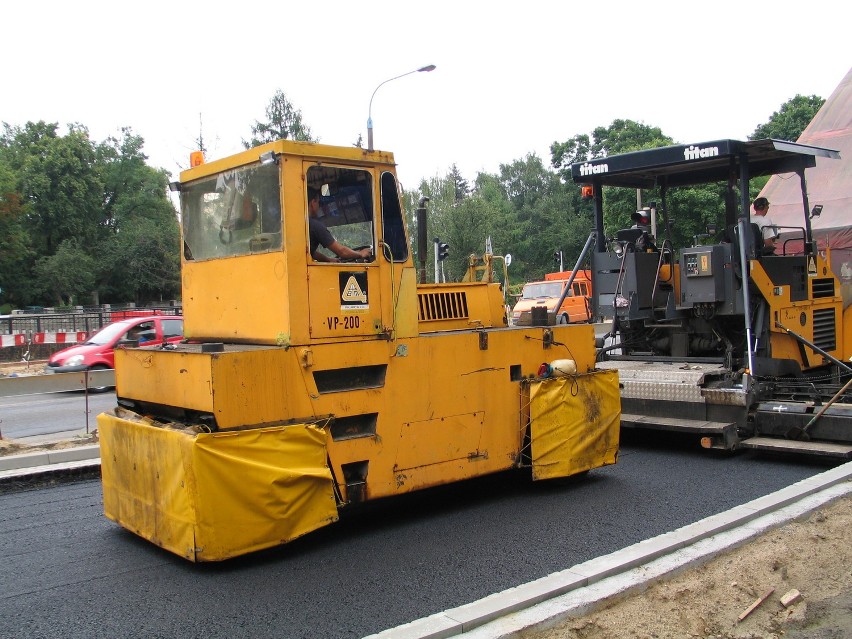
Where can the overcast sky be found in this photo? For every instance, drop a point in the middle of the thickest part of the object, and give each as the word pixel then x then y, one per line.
pixel 511 77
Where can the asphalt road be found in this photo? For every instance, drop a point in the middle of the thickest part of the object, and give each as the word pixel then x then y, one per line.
pixel 31 415
pixel 67 571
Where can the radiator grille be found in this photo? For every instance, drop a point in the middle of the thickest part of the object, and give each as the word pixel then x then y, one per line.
pixel 825 336
pixel 823 287
pixel 442 305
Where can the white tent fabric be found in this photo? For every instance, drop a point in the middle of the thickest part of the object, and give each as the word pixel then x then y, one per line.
pixel 829 184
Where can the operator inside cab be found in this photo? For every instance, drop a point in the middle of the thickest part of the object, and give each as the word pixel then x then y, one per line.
pixel 340 214
pixel 321 236
pixel 768 230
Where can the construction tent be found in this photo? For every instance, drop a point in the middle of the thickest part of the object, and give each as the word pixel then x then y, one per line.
pixel 829 184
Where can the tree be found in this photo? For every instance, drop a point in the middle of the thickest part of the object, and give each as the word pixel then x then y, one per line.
pixel 67 274
pixel 284 122
pixel 622 136
pixel 145 259
pixel 460 186
pixel 439 190
pixel 541 218
pixel 139 253
pixel 790 120
pixel 59 184
pixel 15 253
pixel 564 154
pixel 65 191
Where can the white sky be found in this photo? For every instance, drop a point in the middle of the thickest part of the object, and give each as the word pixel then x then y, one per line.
pixel 511 77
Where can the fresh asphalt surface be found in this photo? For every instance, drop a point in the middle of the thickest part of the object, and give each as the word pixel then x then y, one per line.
pixel 67 571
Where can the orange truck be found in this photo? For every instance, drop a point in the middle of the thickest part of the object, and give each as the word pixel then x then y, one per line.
pixel 576 306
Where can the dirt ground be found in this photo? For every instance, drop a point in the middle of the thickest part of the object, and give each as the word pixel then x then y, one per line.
pixel 22 368
pixel 8 447
pixel 812 555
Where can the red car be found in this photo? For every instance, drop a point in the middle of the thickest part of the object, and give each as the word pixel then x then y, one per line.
pixel 98 351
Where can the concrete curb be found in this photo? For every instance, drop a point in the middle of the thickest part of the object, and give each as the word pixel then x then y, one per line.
pixel 582 588
pixel 15 467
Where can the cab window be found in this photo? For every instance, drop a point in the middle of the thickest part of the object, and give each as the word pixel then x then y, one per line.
pixel 236 212
pixel 393 225
pixel 346 205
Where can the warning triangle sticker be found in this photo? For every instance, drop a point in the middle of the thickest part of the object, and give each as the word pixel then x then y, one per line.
pixel 352 292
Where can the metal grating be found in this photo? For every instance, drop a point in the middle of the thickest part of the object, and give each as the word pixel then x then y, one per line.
pixel 442 305
pixel 823 287
pixel 825 334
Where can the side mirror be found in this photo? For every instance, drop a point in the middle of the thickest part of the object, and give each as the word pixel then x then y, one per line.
pixel 816 211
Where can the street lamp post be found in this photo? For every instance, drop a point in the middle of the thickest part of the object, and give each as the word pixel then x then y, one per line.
pixel 430 67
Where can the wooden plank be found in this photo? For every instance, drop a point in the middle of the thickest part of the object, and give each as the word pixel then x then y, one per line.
pixel 755 605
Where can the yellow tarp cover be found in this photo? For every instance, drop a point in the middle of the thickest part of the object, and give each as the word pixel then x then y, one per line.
pixel 574 423
pixel 212 496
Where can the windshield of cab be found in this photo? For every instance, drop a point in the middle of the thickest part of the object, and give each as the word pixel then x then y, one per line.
pixel 542 289
pixel 236 212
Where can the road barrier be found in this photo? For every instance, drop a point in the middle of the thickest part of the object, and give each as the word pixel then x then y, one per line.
pixel 22 339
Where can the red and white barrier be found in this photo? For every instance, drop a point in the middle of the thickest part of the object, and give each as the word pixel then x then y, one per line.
pixel 16 339
pixel 59 338
pixel 20 339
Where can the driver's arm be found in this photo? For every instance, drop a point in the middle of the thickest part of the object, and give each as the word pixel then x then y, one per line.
pixel 347 253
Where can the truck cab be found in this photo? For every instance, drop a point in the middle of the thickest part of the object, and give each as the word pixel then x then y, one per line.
pixel 575 307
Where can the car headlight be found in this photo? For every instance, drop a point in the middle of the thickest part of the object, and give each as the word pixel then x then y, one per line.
pixel 74 360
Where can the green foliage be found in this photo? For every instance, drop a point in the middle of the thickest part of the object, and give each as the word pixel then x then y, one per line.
pixel 790 120
pixel 439 209
pixel 140 253
pixel 460 186
pixel 65 203
pixel 145 259
pixel 15 252
pixel 67 275
pixel 525 209
pixel 537 224
pixel 79 218
pixel 564 154
pixel 622 136
pixel 531 212
pixel 284 122
pixel 58 181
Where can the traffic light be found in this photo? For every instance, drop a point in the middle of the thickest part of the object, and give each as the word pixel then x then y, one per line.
pixel 642 218
pixel 556 257
pixel 443 250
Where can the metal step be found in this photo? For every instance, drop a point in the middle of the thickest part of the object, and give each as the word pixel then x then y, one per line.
pixel 695 426
pixel 824 449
